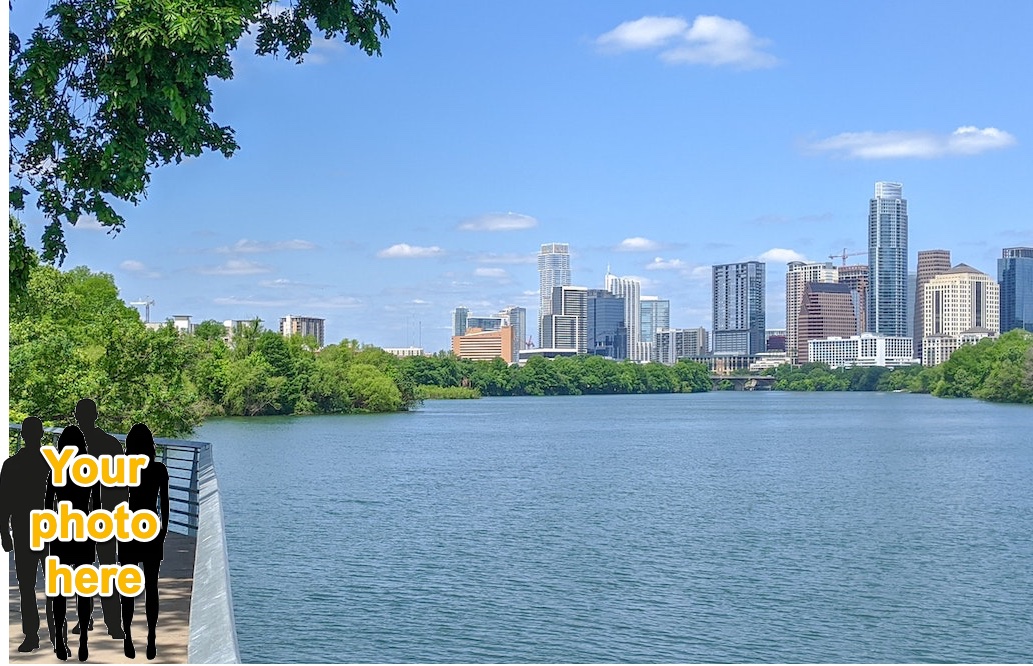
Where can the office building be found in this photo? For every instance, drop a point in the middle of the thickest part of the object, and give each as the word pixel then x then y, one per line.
pixel 553 271
pixel 515 317
pixel 630 290
pixel 674 343
pixel 775 340
pixel 308 326
pixel 866 349
pixel 930 264
pixel 607 335
pixel 826 310
pixel 738 309
pixel 566 326
pixel 459 316
pixel 654 314
pixel 962 303
pixel 489 323
pixel 798 275
pixel 887 260
pixel 478 345
pixel 856 276
pixel 1015 275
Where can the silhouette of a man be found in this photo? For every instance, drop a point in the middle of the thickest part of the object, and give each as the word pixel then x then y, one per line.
pixel 23 488
pixel 100 443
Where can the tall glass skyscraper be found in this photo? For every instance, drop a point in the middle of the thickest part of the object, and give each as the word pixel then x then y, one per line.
pixel 1015 275
pixel 607 333
pixel 630 290
pixel 553 271
pixel 739 309
pixel 887 260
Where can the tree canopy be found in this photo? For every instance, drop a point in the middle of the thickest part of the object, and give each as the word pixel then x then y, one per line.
pixel 104 91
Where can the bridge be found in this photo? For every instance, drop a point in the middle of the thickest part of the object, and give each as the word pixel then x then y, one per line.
pixel 743 382
pixel 195 622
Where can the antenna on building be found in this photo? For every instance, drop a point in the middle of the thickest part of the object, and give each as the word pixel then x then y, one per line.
pixel 147 302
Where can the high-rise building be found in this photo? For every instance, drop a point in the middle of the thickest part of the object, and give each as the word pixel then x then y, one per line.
pixel 311 326
pixel 459 316
pixel 515 317
pixel 655 314
pixel 856 276
pixel 798 275
pixel 553 271
pixel 963 302
pixel 607 333
pixel 930 264
pixel 676 343
pixel 566 325
pixel 826 310
pixel 1015 275
pixel 630 290
pixel 488 323
pixel 887 260
pixel 738 309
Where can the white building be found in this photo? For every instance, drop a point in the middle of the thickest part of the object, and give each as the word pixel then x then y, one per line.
pixel 553 271
pixel 962 303
pixel 867 349
pixel 630 290
pixel 674 343
pixel 405 352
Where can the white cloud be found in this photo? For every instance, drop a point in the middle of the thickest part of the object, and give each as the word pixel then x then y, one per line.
pixel 660 264
pixel 644 33
pixel 89 223
pixel 235 267
pixel 781 255
pixel 637 244
pixel 245 246
pixel 256 302
pixel 406 251
pixel 966 140
pixel 138 267
pixel 497 273
pixel 710 40
pixel 333 303
pixel 499 222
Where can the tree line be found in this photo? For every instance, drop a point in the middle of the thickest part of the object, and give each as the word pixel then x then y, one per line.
pixel 997 370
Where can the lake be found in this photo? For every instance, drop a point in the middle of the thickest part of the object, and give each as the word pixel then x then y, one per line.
pixel 717 527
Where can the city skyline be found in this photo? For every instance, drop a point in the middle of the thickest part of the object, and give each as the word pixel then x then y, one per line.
pixel 660 147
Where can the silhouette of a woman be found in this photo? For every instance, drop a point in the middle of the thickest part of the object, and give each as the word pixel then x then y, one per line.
pixel 154 483
pixel 72 553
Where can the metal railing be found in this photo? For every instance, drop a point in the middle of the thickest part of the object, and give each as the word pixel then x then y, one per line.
pixel 182 458
pixel 195 510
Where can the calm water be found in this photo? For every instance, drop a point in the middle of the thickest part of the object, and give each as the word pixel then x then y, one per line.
pixel 692 528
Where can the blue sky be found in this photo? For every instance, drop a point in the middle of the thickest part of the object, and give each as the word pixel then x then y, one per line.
pixel 655 137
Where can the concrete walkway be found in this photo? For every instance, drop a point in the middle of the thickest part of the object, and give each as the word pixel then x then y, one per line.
pixel 174 586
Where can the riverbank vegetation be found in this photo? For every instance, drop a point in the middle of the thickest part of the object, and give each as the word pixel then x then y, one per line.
pixel 998 370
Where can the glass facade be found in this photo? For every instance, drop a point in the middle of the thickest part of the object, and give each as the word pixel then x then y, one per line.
pixel 1015 275
pixel 887 261
pixel 607 332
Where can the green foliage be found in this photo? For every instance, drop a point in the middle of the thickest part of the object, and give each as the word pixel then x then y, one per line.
pixel 998 370
pixel 446 393
pixel 21 258
pixel 104 91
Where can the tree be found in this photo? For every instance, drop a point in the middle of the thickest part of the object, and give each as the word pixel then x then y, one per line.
pixel 104 91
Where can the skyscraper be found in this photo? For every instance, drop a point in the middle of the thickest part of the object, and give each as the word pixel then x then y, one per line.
pixel 856 276
pixel 459 317
pixel 738 309
pixel 566 326
pixel 1015 275
pixel 630 290
pixel 553 271
pixel 515 317
pixel 607 333
pixel 826 310
pixel 960 306
pixel 655 314
pixel 798 275
pixel 312 326
pixel 887 260
pixel 930 264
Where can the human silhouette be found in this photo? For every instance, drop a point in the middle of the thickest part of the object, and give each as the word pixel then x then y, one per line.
pixel 72 553
pixel 100 443
pixel 23 487
pixel 154 485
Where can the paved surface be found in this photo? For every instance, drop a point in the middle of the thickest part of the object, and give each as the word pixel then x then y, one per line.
pixel 174 585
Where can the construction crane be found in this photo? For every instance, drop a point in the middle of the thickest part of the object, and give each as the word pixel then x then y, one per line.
pixel 146 303
pixel 529 344
pixel 846 254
